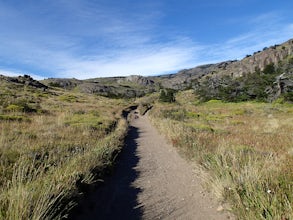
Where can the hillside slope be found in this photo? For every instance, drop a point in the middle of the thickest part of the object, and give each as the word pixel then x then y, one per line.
pixel 273 68
pixel 53 144
pixel 270 69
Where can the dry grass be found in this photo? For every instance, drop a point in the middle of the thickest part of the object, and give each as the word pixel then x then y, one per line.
pixel 50 151
pixel 246 149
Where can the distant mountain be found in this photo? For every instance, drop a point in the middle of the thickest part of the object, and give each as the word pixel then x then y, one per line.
pixel 264 75
pixel 115 87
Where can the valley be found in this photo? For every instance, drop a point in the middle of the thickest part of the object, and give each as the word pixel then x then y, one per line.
pixel 225 131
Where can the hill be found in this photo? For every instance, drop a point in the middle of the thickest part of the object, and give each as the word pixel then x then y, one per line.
pixel 114 87
pixel 54 143
pixel 266 75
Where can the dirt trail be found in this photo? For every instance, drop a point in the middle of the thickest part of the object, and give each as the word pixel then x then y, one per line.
pixel 151 182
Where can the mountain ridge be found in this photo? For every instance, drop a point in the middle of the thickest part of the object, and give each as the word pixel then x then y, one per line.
pixel 280 57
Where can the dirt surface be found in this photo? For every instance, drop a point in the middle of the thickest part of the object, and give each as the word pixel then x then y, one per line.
pixel 151 181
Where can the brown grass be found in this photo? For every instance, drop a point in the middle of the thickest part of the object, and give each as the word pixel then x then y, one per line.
pixel 243 149
pixel 48 151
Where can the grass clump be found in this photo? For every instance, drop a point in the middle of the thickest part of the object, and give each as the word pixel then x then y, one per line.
pixel 13 118
pixel 68 98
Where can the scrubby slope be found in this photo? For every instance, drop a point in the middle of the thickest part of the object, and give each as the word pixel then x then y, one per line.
pixel 244 150
pixel 52 144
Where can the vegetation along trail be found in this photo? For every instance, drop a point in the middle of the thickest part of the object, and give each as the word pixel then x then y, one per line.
pixel 151 182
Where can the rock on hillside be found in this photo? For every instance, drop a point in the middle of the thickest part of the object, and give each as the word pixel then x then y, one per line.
pixel 282 85
pixel 24 80
pixel 185 78
pixel 129 87
pixel 260 60
pixel 64 83
pixel 140 80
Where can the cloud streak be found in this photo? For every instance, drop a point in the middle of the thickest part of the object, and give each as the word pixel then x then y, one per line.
pixel 101 40
pixel 265 30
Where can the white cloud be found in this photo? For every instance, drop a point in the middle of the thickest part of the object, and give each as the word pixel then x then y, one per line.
pixel 9 73
pixel 15 73
pixel 151 59
pixel 266 30
pixel 102 41
pixel 109 43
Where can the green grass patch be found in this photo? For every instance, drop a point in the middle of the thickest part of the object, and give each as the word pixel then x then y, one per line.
pixel 14 118
pixel 84 120
pixel 68 98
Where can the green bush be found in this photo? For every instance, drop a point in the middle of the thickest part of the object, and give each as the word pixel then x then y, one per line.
pixel 249 87
pixel 288 96
pixel 20 106
pixel 68 98
pixel 13 118
pixel 14 108
pixel 55 84
pixel 167 95
pixel 269 69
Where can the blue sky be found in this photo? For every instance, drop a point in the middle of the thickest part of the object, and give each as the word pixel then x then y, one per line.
pixel 97 38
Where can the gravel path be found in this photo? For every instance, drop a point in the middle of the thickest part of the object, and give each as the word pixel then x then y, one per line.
pixel 151 181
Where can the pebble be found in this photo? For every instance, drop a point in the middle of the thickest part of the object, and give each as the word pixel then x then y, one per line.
pixel 220 208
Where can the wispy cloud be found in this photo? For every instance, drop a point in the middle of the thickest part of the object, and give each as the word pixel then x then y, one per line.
pixel 150 60
pixel 101 40
pixel 15 73
pixel 111 44
pixel 265 30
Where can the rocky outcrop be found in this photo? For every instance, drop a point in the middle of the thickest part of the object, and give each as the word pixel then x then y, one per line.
pixel 259 60
pixel 140 80
pixel 250 64
pixel 24 80
pixel 62 82
pixel 114 90
pixel 282 85
pixel 185 78
pixel 285 83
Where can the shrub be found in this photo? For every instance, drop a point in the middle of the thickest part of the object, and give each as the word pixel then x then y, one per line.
pixel 14 118
pixel 21 106
pixel 250 87
pixel 288 96
pixel 269 69
pixel 167 95
pixel 68 98
pixel 14 108
pixel 55 84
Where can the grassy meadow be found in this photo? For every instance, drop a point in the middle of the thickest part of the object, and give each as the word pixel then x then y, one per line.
pixel 52 143
pixel 55 143
pixel 244 150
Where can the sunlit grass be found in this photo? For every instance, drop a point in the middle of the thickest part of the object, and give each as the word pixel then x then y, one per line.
pixel 46 155
pixel 244 150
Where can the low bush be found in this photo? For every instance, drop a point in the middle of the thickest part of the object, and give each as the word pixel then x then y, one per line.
pixel 253 86
pixel 167 95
